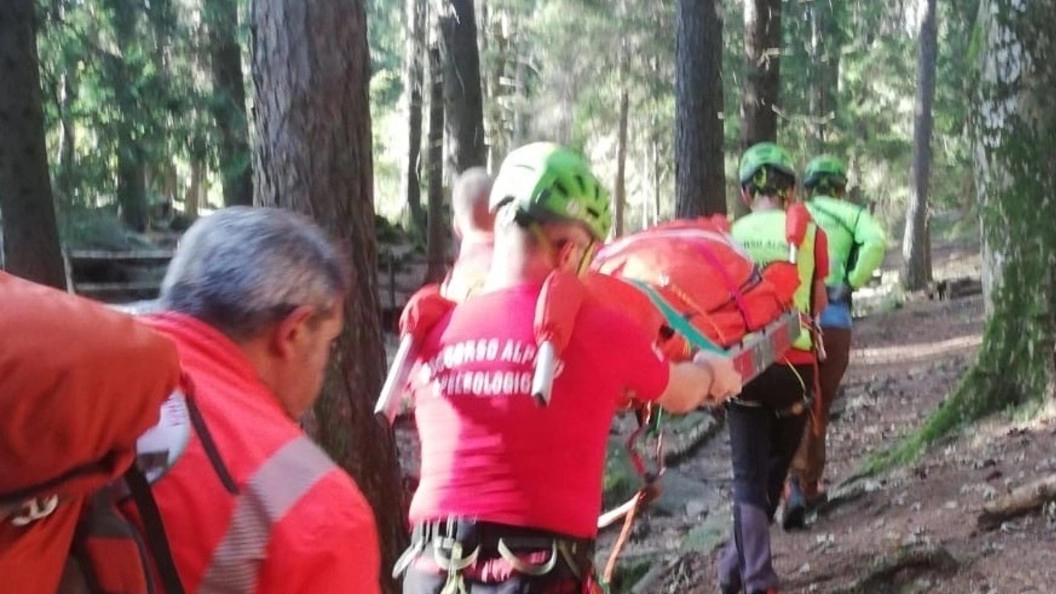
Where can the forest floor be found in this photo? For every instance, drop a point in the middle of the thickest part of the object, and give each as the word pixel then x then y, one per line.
pixel 906 360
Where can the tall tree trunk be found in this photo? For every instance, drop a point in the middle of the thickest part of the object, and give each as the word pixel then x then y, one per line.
pixel 699 170
pixel 654 151
pixel 192 197
pixel 31 234
pixel 131 173
pixel 620 195
pixel 762 49
pixel 491 63
pixel 229 101
pixel 463 113
pixel 1012 124
pixel 414 50
pixel 65 152
pixel 916 263
pixel 436 256
pixel 819 68
pixel 313 155
pixel 521 117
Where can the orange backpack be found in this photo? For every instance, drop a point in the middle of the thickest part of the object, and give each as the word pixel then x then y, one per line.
pixel 79 384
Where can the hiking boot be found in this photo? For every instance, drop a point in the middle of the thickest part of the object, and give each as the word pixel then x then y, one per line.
pixel 794 514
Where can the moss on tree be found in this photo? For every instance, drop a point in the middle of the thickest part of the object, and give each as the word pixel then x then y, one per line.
pixel 1014 128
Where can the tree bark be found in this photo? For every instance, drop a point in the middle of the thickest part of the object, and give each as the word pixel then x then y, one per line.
pixel 620 195
pixel 192 197
pixel 822 83
pixel 762 50
pixel 31 236
pixel 1018 502
pixel 916 263
pixel 313 155
pixel 229 101
pixel 463 113
pixel 436 254
pixel 1014 140
pixel 699 171
pixel 414 51
pixel 131 173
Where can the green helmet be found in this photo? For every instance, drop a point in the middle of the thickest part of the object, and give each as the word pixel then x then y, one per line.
pixel 548 182
pixel 825 170
pixel 765 154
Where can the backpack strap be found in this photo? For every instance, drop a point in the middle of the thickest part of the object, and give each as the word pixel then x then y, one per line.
pixel 154 531
pixel 208 444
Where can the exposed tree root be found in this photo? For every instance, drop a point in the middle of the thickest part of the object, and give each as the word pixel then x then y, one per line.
pixel 881 577
pixel 1021 501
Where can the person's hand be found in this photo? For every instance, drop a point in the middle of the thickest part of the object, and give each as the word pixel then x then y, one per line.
pixel 725 380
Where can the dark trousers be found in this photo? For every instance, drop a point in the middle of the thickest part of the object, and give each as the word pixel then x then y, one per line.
pixel 809 463
pixel 763 440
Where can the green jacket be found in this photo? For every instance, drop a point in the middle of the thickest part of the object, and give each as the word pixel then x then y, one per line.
pixel 856 241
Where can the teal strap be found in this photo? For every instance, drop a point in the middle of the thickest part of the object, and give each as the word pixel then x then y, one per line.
pixel 677 321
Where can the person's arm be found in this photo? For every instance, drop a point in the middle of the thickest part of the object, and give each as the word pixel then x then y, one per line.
pixel 871 237
pixel 327 543
pixel 707 380
pixel 678 387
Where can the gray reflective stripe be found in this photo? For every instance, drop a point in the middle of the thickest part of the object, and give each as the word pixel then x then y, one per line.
pixel 277 485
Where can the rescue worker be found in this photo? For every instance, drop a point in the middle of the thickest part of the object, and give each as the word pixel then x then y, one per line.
pixel 253 300
pixel 472 221
pixel 766 421
pixel 856 249
pixel 510 491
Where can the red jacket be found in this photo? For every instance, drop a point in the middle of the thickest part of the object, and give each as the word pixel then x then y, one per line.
pixel 297 524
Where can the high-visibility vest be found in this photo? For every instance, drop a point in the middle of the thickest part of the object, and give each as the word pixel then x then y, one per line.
pixel 762 233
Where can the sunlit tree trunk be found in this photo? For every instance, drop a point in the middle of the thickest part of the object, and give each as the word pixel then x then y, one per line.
pixel 414 52
pixel 916 244
pixel 1014 130
pixel 436 255
pixel 229 101
pixel 30 233
pixel 700 176
pixel 619 196
pixel 464 111
pixel 313 155
pixel 131 175
pixel 762 50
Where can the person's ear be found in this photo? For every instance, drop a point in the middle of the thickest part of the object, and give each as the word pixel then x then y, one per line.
pixel 566 256
pixel 746 196
pixel 290 331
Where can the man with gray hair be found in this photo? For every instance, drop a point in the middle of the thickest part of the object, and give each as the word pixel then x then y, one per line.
pixel 253 300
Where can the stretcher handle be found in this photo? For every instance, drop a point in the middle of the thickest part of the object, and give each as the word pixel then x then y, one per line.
pixel 543 377
pixel 390 399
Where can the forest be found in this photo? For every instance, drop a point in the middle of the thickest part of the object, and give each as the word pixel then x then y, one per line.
pixel 122 121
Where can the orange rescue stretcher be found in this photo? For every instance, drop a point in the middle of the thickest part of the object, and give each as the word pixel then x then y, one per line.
pixel 687 282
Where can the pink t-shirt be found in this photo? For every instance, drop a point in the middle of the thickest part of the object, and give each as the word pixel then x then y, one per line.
pixel 489 452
